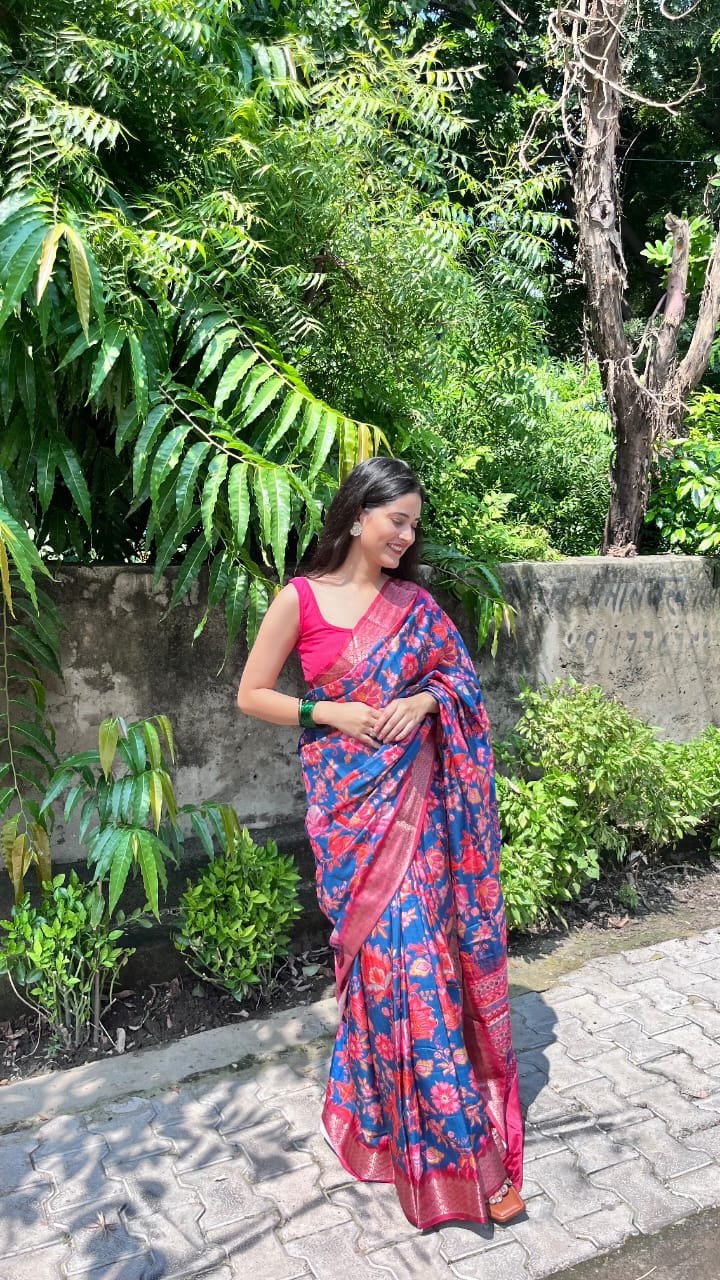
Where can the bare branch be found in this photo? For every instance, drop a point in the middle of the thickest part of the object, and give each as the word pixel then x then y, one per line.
pixel 697 356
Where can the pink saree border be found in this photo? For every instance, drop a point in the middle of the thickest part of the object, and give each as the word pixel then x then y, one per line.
pixel 436 1197
pixel 389 865
pixel 384 617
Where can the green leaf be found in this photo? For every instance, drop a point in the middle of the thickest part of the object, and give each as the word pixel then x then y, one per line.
pixel 259 599
pixel 202 830
pixel 172 540
pixel 214 352
pixel 123 853
pixel 166 727
pixel 46 464
pixel 324 440
pixel 234 604
pixel 215 477
pixel 113 341
pixel 139 372
pixel 167 458
pixel 263 399
pixel 151 429
pixel 191 566
pixel 80 272
pixel 280 504
pixel 284 419
pixel 233 374
pixel 152 742
pixel 239 502
pixel 146 846
pixel 107 742
pixel 19 269
pixel 187 477
pixel 47 258
pixel 218 579
pixel 71 471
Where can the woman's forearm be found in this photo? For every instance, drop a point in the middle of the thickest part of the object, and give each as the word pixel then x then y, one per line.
pixel 269 705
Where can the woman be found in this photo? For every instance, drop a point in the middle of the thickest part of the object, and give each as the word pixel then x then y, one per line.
pixel 398 767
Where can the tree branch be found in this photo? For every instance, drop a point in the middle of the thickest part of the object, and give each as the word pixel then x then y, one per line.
pixel 665 352
pixel 693 366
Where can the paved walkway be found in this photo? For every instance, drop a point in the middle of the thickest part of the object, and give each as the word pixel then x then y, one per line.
pixel 225 1175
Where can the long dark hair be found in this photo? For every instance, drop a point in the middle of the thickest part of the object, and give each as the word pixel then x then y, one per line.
pixel 373 483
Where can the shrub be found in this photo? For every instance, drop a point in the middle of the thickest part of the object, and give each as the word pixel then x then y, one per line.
pixel 593 784
pixel 234 920
pixel 685 503
pixel 65 955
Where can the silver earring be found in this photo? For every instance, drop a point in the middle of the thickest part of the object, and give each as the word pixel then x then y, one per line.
pixel 355 529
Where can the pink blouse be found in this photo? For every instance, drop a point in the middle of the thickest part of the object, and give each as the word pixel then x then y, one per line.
pixel 319 642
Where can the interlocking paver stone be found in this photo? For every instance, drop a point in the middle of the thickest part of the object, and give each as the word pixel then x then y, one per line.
pixel 653 1205
pixel 506 1262
pixel 549 1246
pixel 99 1239
pixel 255 1253
pixel 24 1221
pixel 592 1015
pixel 579 1042
pixel 572 1194
pixel 595 1150
pixel 417 1259
pixel 151 1182
pixel 460 1239
pixel 653 1021
pixel 303 1206
pixel 38 1264
pixel 226 1194
pixel 639 1047
pixel 678 1067
pixel 64 1133
pixel 177 1244
pixel 194 1147
pixel 707 1140
pixel 701 1186
pixel 16 1166
pixel 278 1080
pixel 127 1129
pixel 376 1207
pixel 81 1179
pixel 237 1104
pixel 269 1149
pixel 705 1015
pixel 334 1253
pixel 667 1156
pixel 608 1228
pixel 680 1115
pixel 626 1078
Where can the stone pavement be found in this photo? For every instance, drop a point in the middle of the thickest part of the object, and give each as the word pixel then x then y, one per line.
pixel 224 1174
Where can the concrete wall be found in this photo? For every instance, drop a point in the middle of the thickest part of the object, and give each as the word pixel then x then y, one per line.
pixel 647 630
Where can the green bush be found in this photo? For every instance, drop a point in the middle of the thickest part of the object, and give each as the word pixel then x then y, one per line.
pixel 65 956
pixel 234 920
pixel 685 503
pixel 591 784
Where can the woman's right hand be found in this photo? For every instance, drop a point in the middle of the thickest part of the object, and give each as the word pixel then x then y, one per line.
pixel 353 718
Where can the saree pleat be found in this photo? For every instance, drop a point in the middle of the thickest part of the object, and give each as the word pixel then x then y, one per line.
pixel 423 1084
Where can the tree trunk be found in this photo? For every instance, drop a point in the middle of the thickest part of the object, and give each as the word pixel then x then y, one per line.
pixel 643 403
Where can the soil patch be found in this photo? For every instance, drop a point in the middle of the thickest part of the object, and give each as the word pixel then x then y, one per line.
pixel 673 901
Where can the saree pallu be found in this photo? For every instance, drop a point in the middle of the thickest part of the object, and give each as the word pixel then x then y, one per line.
pixel 423 1088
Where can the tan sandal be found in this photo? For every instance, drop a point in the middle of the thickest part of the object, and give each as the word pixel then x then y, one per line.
pixel 508 1207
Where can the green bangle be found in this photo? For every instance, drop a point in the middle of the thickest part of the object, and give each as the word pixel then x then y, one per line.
pixel 305 715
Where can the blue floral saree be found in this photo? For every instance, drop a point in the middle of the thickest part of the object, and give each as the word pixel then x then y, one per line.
pixel 423 1088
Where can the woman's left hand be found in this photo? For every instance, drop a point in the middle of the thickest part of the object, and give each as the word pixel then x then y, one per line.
pixel 402 715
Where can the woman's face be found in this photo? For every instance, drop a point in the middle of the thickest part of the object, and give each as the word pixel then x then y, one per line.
pixel 388 531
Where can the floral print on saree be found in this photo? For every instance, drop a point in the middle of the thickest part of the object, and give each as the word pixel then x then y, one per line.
pixel 423 1087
